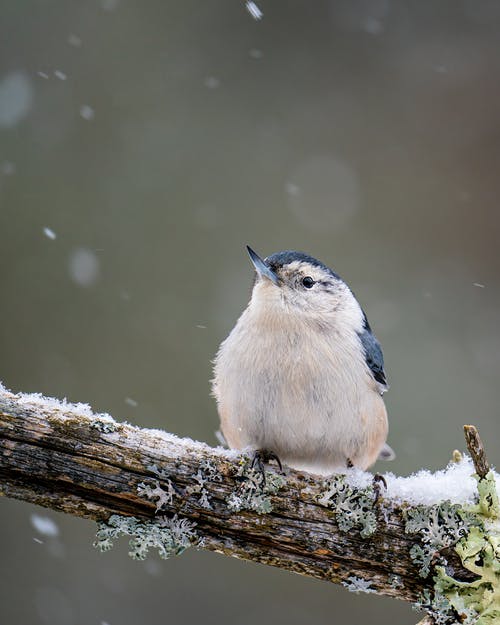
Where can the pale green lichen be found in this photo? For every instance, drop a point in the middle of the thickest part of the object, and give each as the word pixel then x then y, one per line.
pixel 437 605
pixel 358 584
pixel 206 473
pixel 157 493
pixel 479 552
pixel 395 581
pixel 355 508
pixel 170 536
pixel 254 493
pixel 438 526
pixel 161 473
pixel 488 505
pixel 475 602
pixel 106 426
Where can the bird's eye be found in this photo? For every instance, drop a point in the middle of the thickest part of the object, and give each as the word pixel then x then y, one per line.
pixel 308 282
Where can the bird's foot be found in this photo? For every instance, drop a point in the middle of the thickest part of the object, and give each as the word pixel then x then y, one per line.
pixel 377 482
pixel 261 457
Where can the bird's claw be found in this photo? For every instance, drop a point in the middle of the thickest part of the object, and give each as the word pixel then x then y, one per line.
pixel 261 457
pixel 377 482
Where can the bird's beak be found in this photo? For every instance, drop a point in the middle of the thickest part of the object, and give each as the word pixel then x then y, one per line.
pixel 262 269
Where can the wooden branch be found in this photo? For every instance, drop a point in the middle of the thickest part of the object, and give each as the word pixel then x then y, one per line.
pixel 427 620
pixel 64 457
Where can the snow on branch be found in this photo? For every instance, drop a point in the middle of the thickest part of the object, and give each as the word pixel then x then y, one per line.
pixel 431 538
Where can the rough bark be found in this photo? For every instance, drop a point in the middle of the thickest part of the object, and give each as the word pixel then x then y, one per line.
pixel 58 457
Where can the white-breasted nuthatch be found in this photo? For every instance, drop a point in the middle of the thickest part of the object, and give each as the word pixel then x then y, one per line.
pixel 301 375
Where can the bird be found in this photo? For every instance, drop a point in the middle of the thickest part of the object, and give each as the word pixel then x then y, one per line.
pixel 300 378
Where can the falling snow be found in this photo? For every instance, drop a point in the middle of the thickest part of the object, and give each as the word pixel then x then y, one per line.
pixel 83 267
pixel 325 193
pixel 7 168
pixel 16 99
pixel 87 112
pixel 109 5
pixel 212 82
pixel 254 10
pixel 373 26
pixel 255 53
pixel 74 40
pixel 291 188
pixel 50 234
pixel 44 525
pixel 440 69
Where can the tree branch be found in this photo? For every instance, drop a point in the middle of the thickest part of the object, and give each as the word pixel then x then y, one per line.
pixel 64 457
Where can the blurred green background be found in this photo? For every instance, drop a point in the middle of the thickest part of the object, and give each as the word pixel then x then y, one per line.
pixel 141 146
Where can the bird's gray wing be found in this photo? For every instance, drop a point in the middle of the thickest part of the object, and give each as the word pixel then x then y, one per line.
pixel 373 356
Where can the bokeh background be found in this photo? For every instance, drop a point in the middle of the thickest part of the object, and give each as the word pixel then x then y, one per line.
pixel 142 144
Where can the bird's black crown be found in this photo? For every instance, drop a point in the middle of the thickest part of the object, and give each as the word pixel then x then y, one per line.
pixel 280 259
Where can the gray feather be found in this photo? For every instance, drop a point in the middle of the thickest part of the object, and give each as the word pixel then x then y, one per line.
pixel 374 357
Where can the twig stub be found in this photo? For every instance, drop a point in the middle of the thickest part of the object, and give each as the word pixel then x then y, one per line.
pixel 476 450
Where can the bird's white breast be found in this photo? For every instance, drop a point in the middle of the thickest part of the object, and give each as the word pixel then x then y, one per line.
pixel 300 388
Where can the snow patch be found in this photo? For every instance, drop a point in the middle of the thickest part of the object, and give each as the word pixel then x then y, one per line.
pixel 54 406
pixel 455 484
pixel 64 409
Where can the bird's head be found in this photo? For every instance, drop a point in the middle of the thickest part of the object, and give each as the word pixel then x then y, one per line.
pixel 294 283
